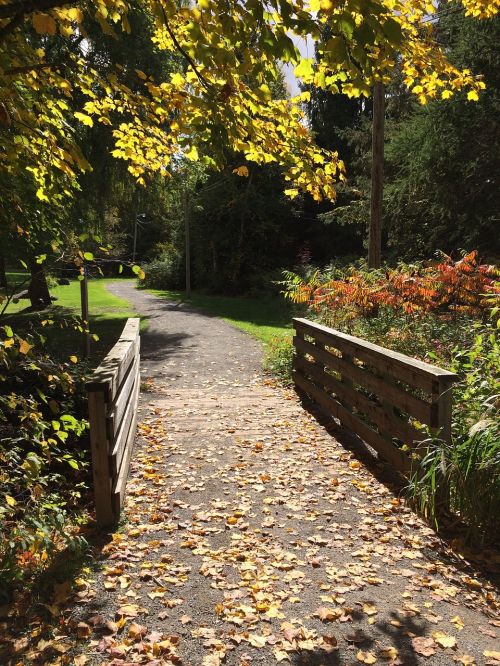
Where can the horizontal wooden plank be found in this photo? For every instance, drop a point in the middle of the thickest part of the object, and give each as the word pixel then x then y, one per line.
pixel 119 487
pixel 384 420
pixel 122 399
pixel 384 447
pixel 111 372
pixel 118 448
pixel 405 368
pixel 395 395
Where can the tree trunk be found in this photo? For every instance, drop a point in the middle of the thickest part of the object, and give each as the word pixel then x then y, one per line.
pixel 375 231
pixel 3 275
pixel 38 290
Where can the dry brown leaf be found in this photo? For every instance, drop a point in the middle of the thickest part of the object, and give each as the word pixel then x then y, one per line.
pixel 424 646
pixel 327 614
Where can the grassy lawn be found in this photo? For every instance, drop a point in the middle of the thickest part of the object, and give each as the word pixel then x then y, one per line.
pixel 107 317
pixel 262 318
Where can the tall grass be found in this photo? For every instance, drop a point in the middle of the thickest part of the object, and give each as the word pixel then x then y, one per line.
pixel 468 469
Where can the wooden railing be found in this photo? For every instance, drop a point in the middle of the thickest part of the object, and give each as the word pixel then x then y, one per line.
pixel 379 394
pixel 113 394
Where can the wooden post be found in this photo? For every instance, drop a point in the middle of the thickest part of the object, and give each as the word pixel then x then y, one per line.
pixel 187 244
pixel 84 296
pixel 377 192
pixel 100 459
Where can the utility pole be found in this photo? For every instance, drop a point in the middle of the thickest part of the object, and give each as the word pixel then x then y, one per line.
pixel 187 243
pixel 135 238
pixel 377 193
pixel 84 295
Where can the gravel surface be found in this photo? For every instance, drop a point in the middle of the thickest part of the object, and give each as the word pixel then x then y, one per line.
pixel 251 536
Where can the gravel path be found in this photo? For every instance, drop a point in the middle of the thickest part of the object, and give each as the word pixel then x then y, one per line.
pixel 252 537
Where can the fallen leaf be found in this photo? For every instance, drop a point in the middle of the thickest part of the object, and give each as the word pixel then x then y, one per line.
pixel 327 614
pixel 366 657
pixel 424 646
pixel 444 640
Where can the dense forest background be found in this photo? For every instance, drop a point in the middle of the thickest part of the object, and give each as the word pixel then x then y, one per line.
pixel 441 182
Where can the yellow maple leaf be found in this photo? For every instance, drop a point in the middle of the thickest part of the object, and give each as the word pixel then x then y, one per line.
pixel 83 118
pixel 494 654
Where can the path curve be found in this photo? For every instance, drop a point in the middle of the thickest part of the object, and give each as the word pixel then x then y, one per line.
pixel 254 537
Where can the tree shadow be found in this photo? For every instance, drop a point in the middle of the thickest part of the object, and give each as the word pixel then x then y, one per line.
pixel 472 560
pixel 44 602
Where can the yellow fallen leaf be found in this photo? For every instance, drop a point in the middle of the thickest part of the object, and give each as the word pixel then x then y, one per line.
pixel 493 654
pixel 366 657
pixel 80 660
pixel 466 660
pixel 389 653
pixel 444 640
pixel 458 622
pixel 369 609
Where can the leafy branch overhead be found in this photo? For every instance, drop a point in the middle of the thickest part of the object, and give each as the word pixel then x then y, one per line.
pixel 221 95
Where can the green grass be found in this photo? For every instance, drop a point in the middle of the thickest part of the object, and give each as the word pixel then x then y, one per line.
pixel 107 317
pixel 262 318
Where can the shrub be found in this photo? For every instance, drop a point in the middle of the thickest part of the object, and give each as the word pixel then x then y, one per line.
pixel 43 457
pixel 163 273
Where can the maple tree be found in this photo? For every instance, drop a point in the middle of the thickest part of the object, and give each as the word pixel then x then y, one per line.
pixel 232 52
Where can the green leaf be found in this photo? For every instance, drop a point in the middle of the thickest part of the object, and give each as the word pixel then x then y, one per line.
pixel 88 256
pixel 393 31
pixel 8 331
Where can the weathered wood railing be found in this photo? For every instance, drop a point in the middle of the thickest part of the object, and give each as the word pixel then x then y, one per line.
pixel 113 393
pixel 377 393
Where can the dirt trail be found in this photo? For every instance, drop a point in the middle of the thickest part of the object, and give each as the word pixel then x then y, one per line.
pixel 253 537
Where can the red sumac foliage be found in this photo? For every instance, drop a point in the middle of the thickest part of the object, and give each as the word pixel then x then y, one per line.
pixel 462 286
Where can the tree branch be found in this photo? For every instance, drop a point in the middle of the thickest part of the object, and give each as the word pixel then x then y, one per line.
pixel 200 76
pixel 27 68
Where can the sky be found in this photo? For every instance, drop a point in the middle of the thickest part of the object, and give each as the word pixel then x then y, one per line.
pixel 306 48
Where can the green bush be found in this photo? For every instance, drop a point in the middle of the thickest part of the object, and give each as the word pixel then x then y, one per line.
pixel 163 273
pixel 279 357
pixel 44 460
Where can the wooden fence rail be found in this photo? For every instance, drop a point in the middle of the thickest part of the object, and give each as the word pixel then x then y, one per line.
pixel 113 394
pixel 379 394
